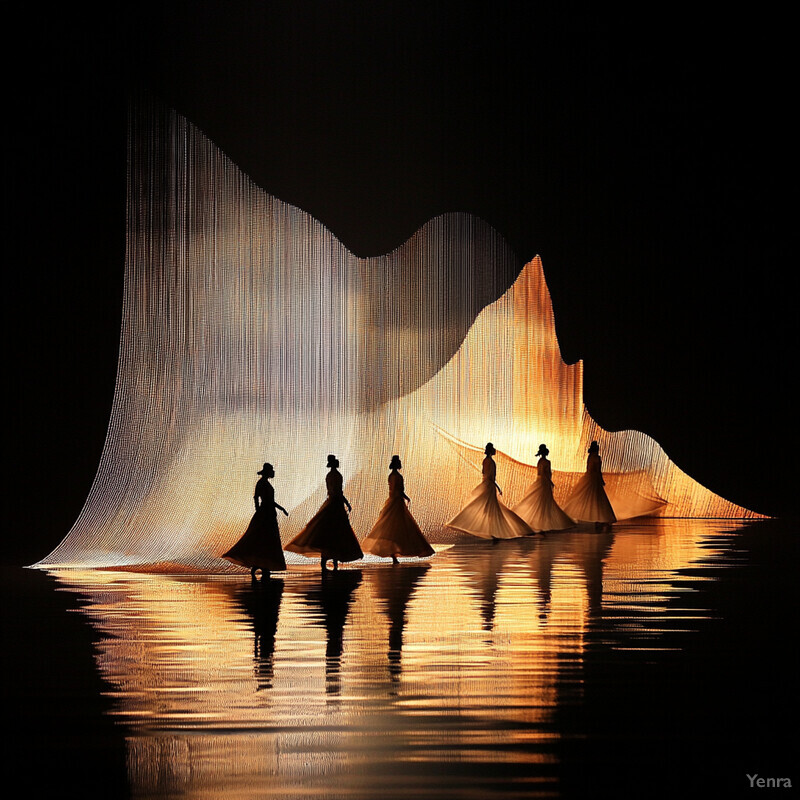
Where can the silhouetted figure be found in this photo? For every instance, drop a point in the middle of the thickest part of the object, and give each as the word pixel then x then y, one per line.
pixel 262 603
pixel 394 587
pixel 260 546
pixel 329 532
pixel 484 515
pixel 589 502
pixel 333 596
pixel 396 532
pixel 538 508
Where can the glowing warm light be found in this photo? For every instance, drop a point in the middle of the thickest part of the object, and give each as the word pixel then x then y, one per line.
pixel 220 685
pixel 251 334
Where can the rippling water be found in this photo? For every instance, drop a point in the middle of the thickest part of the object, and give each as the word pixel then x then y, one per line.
pixel 473 675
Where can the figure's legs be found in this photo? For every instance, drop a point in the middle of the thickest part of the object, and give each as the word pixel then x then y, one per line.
pixel 253 573
pixel 335 565
pixel 394 559
pixel 322 562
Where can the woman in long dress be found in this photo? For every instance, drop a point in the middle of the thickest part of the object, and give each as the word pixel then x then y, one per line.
pixel 484 515
pixel 588 501
pixel 396 532
pixel 329 532
pixel 260 546
pixel 538 508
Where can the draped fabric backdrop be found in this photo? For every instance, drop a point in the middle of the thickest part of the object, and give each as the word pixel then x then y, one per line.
pixel 251 334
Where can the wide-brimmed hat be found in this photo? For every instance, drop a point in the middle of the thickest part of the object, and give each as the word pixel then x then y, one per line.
pixel 489 450
pixel 333 461
pixel 395 463
pixel 543 451
pixel 265 468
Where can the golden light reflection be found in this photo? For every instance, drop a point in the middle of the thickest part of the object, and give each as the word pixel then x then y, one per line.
pixel 371 682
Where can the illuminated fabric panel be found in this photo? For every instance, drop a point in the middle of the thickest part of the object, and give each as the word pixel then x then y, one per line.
pixel 251 334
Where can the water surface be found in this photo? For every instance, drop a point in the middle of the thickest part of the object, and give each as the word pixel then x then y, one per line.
pixel 543 667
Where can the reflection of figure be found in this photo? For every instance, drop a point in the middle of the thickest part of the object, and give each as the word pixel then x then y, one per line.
pixel 262 603
pixel 592 551
pixel 541 561
pixel 333 595
pixel 587 553
pixel 588 502
pixel 396 532
pixel 538 508
pixel 260 546
pixel 484 565
pixel 484 515
pixel 328 532
pixel 394 588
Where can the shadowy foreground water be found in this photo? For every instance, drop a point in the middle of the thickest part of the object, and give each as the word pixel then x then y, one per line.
pixel 657 660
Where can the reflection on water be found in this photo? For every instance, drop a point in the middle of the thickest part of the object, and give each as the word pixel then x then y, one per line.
pixel 446 679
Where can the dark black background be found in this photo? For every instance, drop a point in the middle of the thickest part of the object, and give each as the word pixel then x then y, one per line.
pixel 645 155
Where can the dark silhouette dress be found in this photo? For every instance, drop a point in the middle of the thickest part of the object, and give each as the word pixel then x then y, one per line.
pixel 260 546
pixel 396 532
pixel 328 533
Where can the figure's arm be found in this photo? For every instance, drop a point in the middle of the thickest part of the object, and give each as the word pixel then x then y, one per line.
pixel 256 501
pixel 498 488
pixel 408 499
pixel 347 503
pixel 282 509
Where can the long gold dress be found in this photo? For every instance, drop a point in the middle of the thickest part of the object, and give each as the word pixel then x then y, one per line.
pixel 328 533
pixel 396 533
pixel 588 501
pixel 484 515
pixel 538 508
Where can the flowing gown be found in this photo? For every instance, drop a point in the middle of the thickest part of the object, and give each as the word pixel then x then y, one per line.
pixel 484 515
pixel 588 501
pixel 328 533
pixel 538 508
pixel 396 532
pixel 260 546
